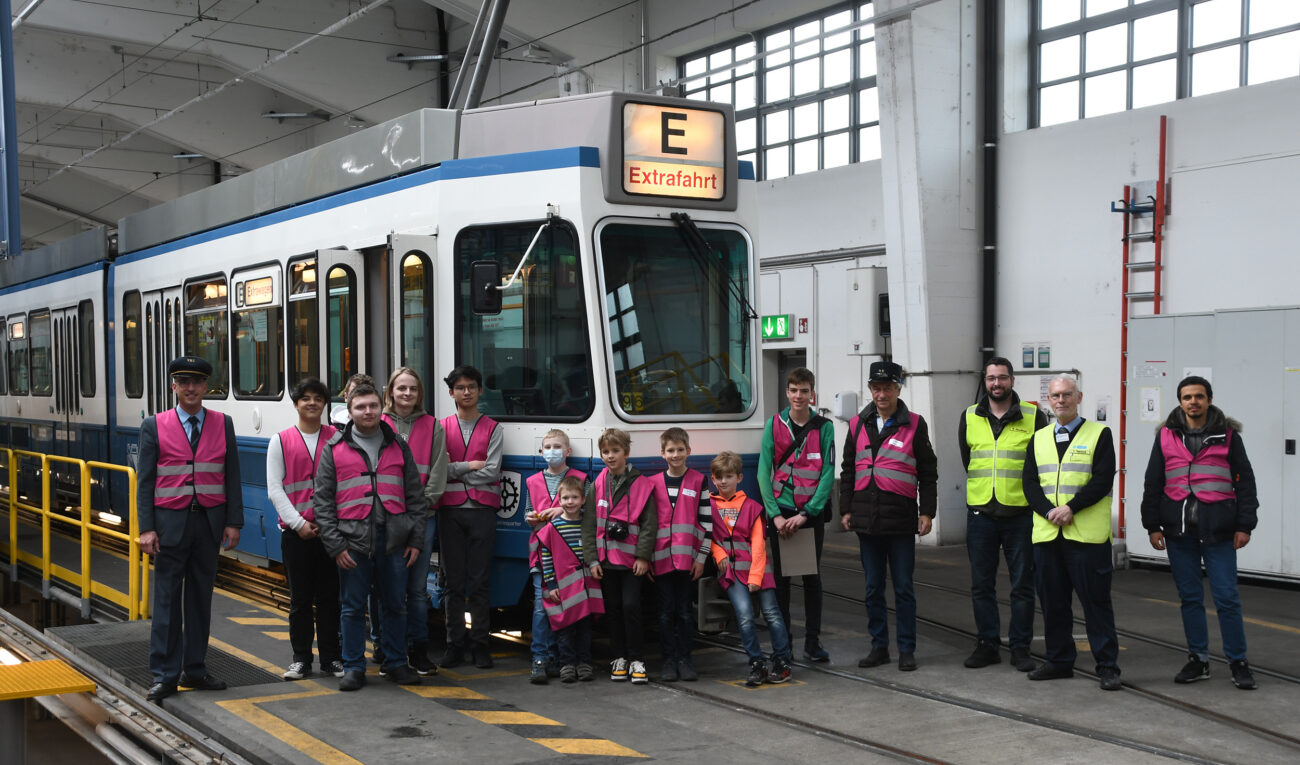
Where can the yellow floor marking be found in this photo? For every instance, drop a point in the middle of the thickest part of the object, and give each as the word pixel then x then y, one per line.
pixel 764 687
pixel 493 717
pixel 259 621
pixel 597 746
pixel 1212 612
pixel 277 634
pixel 247 710
pixel 444 692
pixel 240 653
pixel 251 602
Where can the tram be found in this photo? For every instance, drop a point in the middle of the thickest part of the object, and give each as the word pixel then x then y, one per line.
pixel 594 256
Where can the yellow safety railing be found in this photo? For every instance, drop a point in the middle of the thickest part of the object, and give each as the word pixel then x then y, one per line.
pixel 136 599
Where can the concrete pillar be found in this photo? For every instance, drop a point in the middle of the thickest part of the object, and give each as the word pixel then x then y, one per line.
pixel 929 121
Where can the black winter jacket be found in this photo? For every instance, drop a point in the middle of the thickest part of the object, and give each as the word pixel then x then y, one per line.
pixel 872 511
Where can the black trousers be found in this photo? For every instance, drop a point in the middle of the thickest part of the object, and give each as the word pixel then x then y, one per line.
pixel 183 578
pixel 313 598
pixel 812 583
pixel 468 536
pixel 622 593
pixel 1063 567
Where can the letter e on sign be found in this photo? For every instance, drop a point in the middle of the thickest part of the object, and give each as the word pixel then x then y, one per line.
pixel 668 132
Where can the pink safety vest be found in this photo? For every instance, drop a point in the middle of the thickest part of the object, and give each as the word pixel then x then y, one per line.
pixel 539 498
pixel 458 492
pixel 420 439
pixel 619 552
pixel 802 469
pixel 735 541
pixel 185 473
pixel 580 593
pixel 680 534
pixel 1207 475
pixel 358 484
pixel 894 466
pixel 300 468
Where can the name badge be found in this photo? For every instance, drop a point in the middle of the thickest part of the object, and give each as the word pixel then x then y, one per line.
pixel 814 455
pixel 896 442
pixel 690 492
pixel 602 503
pixel 1062 437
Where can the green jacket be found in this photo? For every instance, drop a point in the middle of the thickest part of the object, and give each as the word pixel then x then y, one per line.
pixel 818 508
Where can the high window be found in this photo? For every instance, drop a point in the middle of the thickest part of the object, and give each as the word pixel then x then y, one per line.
pixel 1094 57
pixel 804 91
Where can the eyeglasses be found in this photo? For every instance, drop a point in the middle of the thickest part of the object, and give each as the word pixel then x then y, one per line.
pixel 465 388
pixel 997 378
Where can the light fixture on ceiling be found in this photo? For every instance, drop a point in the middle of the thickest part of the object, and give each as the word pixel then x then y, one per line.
pixel 187 155
pixel 402 58
pixel 280 117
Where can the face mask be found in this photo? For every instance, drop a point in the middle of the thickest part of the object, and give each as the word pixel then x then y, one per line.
pixel 553 457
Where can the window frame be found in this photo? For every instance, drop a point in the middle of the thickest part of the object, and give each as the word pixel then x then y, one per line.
pixel 139 356
pixel 238 304
pixel 86 346
pixel 4 355
pixel 31 351
pixel 427 309
pixel 186 312
pixel 291 341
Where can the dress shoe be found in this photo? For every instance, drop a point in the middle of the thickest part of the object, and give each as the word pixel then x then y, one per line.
pixel 352 680
pixel 160 691
pixel 1109 678
pixel 983 655
pixel 454 656
pixel 877 657
pixel 402 675
pixel 906 661
pixel 206 683
pixel 1051 672
pixel 482 657
pixel 1021 660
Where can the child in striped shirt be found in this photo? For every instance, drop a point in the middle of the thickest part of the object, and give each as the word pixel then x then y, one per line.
pixel 573 596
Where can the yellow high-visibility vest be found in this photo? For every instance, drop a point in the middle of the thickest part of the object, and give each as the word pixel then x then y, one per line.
pixel 1061 479
pixel 997 466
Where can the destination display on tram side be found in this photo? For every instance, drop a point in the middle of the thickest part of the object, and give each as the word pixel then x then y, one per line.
pixel 670 151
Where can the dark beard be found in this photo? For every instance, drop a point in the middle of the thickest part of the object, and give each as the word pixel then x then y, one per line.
pixel 1005 396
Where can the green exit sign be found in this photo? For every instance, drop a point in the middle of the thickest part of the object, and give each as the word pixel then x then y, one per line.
pixel 778 327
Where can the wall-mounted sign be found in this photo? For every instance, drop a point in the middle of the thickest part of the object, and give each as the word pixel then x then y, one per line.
pixel 777 326
pixel 670 151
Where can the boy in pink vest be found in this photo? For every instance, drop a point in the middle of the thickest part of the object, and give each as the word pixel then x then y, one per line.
pixel 573 596
pixel 618 536
pixel 740 550
pixel 681 547
pixel 543 490
pixel 291 460
pixel 467 518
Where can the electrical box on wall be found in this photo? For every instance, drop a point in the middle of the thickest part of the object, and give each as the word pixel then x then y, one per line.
pixel 864 332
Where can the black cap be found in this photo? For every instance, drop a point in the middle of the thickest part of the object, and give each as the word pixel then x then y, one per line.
pixel 885 371
pixel 189 366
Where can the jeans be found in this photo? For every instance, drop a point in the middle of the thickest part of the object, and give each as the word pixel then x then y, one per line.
pixel 1185 556
pixel 417 591
pixel 544 641
pixel 1014 535
pixel 812 583
pixel 388 571
pixel 676 614
pixel 313 598
pixel 744 607
pixel 573 643
pixel 898 551
pixel 1060 567
pixel 622 593
pixel 468 536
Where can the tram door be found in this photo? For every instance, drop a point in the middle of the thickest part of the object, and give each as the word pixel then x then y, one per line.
pixel 341 293
pixel 164 340
pixel 411 281
pixel 67 401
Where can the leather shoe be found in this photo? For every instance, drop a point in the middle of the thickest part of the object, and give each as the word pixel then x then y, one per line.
pixel 1021 660
pixel 1109 678
pixel 482 656
pixel 160 691
pixel 352 680
pixel 206 683
pixel 402 675
pixel 877 657
pixel 983 655
pixel 1051 672
pixel 906 661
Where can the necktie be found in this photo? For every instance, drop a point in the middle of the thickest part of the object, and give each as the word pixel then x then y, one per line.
pixel 194 432
pixel 1062 430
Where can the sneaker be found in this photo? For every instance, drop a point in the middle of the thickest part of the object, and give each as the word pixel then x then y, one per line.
pixel 983 655
pixel 686 670
pixel 1021 660
pixel 781 671
pixel 1109 678
pixel 618 670
pixel 568 674
pixel 297 671
pixel 482 657
pixel 538 674
pixel 335 668
pixel 402 675
pixel 352 680
pixel 454 656
pixel 418 658
pixel 1051 672
pixel 1193 670
pixel 669 673
pixel 813 651
pixel 757 674
pixel 585 673
pixel 639 676
pixel 1241 676
pixel 877 657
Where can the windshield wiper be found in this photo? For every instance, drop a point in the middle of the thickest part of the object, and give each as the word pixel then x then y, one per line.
pixel 706 258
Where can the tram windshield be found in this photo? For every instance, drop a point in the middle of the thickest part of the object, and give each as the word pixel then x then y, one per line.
pixel 679 341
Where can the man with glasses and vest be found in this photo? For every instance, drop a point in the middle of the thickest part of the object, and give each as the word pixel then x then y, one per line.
pixel 888 465
pixel 1069 472
pixel 189 503
pixel 1199 506
pixel 993 436
pixel 796 471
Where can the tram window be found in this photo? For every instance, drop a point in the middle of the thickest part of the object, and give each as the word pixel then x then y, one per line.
pixel 205 329
pixel 259 331
pixel 534 354
pixel 679 345
pixel 132 346
pixel 86 346
pixel 304 339
pixel 18 355
pixel 42 358
pixel 415 313
pixel 4 358
pixel 342 331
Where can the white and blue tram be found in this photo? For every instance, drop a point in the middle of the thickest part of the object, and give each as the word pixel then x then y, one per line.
pixel 593 256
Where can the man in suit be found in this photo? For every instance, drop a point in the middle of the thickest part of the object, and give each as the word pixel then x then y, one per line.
pixel 189 502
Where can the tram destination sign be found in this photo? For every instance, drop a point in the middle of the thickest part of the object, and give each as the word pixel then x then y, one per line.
pixel 672 151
